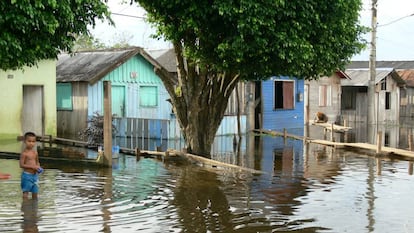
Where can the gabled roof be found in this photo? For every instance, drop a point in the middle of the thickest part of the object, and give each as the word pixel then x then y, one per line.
pixel 407 76
pixel 91 66
pixel 342 74
pixel 398 65
pixel 168 60
pixel 360 77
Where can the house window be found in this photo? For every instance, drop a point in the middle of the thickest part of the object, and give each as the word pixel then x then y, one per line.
pixel 283 95
pixel 148 96
pixel 325 93
pixel 348 99
pixel 387 100
pixel 64 96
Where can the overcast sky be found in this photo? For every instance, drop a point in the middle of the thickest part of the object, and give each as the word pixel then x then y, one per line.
pixel 395 32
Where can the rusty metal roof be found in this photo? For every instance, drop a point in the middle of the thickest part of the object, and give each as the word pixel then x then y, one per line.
pixel 360 77
pixel 91 66
pixel 407 76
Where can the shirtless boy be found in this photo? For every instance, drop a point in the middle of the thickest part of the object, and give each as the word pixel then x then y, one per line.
pixel 29 161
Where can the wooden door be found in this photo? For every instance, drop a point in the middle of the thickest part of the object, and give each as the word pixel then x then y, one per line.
pixel 32 113
pixel 118 101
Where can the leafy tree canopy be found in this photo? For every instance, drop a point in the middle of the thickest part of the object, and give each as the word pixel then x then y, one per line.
pixel 219 42
pixel 32 30
pixel 262 38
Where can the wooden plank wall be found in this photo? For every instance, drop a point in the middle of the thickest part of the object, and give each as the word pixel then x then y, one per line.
pixel 70 123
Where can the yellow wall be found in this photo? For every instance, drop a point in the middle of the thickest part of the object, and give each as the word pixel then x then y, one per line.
pixel 11 98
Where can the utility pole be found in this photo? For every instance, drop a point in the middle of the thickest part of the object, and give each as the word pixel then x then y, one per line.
pixel 372 118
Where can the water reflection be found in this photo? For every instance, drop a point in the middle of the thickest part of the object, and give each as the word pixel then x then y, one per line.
pixel 303 188
pixel 30 217
pixel 201 204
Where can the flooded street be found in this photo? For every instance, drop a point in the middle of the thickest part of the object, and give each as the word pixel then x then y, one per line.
pixel 303 188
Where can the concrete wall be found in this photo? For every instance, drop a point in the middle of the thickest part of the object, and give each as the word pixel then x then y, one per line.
pixel 42 76
pixel 11 95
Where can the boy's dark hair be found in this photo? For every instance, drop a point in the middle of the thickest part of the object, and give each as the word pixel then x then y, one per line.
pixel 29 134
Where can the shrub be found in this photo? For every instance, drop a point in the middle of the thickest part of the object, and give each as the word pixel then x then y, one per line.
pixel 94 132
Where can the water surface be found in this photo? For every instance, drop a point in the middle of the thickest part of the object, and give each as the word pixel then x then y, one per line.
pixel 304 188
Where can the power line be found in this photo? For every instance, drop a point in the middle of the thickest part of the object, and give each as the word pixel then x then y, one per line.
pixel 396 20
pixel 132 16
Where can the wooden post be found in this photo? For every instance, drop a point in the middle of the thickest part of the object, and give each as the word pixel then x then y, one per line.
pixel 167 154
pixel 379 141
pixel 284 136
pixel 137 153
pixel 332 132
pixel 410 141
pixel 346 131
pixel 410 168
pixel 107 161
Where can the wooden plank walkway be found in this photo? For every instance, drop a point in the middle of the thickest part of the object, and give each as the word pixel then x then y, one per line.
pixel 365 146
pixel 344 145
pixel 329 126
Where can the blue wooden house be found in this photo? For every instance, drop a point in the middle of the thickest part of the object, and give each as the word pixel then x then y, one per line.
pixel 281 104
pixel 138 95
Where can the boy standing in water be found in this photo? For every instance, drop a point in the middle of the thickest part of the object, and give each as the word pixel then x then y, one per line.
pixel 29 161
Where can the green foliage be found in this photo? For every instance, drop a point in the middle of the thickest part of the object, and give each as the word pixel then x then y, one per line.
pixel 94 133
pixel 32 30
pixel 258 39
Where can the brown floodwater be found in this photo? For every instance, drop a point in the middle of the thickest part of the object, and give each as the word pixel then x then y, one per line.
pixel 303 188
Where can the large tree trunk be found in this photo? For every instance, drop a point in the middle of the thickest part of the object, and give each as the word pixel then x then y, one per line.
pixel 199 98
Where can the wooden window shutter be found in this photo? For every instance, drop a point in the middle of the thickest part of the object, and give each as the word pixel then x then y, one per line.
pixel 288 94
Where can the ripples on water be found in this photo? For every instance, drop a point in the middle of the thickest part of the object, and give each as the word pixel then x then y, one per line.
pixel 329 192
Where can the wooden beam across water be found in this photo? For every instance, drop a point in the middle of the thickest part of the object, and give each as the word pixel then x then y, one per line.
pixel 175 154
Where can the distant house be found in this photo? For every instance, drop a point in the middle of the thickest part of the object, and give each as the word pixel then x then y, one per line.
pixel 324 95
pixel 281 104
pixel 354 104
pixel 138 95
pixel 28 101
pixel 405 69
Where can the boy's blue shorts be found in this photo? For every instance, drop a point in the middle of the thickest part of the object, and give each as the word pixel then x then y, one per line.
pixel 30 182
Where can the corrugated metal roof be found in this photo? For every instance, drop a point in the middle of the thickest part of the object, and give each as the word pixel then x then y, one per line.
pixel 91 66
pixel 168 61
pixel 398 65
pixel 360 77
pixel 156 53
